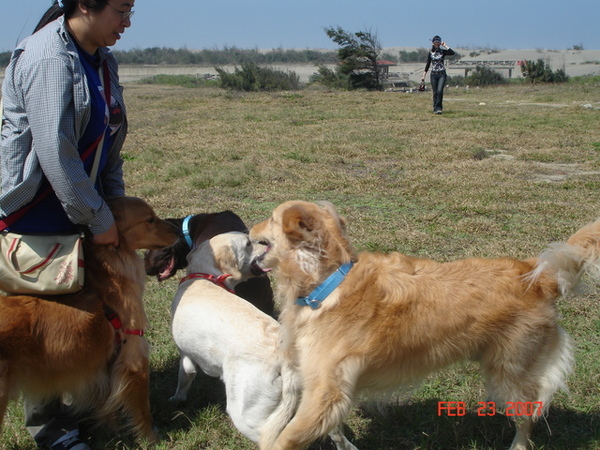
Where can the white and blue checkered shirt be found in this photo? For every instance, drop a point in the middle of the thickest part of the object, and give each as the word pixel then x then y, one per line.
pixel 46 110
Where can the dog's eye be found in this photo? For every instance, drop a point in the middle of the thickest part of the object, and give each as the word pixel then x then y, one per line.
pixel 150 220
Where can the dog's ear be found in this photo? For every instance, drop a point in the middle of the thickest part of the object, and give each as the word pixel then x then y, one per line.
pixel 333 212
pixel 299 224
pixel 229 256
pixel 226 261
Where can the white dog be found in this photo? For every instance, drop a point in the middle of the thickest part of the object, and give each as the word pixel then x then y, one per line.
pixel 227 337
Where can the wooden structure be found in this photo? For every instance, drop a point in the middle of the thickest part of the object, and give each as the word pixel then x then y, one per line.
pixel 384 68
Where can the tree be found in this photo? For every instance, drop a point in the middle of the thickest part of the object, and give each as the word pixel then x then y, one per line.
pixel 540 71
pixel 484 76
pixel 357 55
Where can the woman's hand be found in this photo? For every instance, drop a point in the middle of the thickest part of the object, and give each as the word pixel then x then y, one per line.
pixel 110 237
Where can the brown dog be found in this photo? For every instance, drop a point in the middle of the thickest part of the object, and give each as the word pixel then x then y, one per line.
pixel 66 344
pixel 394 319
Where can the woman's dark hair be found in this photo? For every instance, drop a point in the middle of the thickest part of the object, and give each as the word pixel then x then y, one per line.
pixel 68 8
pixel 436 37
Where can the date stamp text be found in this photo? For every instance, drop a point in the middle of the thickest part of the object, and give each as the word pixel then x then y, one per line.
pixel 491 409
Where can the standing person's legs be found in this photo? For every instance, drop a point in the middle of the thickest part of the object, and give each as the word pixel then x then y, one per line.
pixel 53 425
pixel 434 88
pixel 438 90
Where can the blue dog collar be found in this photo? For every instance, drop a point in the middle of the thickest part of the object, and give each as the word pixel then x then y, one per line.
pixel 316 297
pixel 186 231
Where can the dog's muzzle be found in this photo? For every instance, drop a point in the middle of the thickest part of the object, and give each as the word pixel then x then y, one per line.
pixel 256 266
pixel 256 269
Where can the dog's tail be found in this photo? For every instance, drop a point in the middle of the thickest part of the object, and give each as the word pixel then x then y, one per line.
pixel 569 260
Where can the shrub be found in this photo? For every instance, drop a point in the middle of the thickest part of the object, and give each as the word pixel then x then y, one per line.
pixel 331 79
pixel 484 76
pixel 456 80
pixel 540 71
pixel 178 80
pixel 252 77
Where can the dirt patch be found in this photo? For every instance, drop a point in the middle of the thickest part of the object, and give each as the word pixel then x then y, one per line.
pixel 549 172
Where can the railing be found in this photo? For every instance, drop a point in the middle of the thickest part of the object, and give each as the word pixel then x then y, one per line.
pixel 491 64
pixel 499 64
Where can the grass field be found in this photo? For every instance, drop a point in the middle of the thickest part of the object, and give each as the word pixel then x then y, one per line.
pixel 503 172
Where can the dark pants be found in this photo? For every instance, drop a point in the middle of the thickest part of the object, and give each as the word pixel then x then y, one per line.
pixel 46 422
pixel 438 81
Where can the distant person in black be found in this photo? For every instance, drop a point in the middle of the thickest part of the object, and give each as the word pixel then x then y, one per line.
pixel 435 59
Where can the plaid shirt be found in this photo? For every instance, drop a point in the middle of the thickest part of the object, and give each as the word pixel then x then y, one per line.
pixel 46 110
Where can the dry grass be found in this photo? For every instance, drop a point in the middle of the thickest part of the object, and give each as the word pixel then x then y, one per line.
pixel 501 178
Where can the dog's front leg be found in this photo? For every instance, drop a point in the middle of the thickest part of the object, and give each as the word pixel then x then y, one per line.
pixel 323 407
pixel 524 427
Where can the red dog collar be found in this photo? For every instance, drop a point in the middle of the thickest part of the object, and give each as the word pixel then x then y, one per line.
pixel 115 321
pixel 219 281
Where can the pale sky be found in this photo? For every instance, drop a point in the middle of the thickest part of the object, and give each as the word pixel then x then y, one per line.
pixel 267 24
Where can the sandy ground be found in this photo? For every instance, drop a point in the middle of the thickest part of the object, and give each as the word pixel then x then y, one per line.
pixel 575 63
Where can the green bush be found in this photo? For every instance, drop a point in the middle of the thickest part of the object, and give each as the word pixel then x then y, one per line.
pixel 331 79
pixel 456 80
pixel 540 72
pixel 252 77
pixel 178 80
pixel 484 76
pixel 591 80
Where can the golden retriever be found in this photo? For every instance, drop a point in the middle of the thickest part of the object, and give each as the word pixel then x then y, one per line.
pixel 395 318
pixel 66 344
pixel 227 337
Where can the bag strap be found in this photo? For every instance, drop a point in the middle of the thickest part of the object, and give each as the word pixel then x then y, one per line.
pixel 105 81
pixel 97 144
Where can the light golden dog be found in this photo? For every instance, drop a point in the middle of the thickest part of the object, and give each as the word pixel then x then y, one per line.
pixel 66 344
pixel 395 318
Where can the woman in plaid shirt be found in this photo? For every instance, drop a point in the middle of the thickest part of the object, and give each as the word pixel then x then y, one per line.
pixel 61 97
pixel 54 110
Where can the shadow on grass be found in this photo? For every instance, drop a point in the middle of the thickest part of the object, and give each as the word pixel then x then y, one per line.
pixel 408 426
pixel 170 416
pixel 417 425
